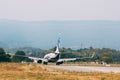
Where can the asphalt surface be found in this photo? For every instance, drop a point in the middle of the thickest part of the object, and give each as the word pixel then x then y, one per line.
pixel 89 68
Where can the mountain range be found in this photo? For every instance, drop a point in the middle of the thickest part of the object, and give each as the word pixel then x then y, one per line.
pixel 74 34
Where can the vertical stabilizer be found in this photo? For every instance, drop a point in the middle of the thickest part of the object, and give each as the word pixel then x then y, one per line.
pixel 58 45
pixel 57 50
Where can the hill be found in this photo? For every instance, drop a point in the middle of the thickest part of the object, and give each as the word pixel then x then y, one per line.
pixel 74 34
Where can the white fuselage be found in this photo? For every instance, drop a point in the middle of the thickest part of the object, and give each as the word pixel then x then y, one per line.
pixel 50 56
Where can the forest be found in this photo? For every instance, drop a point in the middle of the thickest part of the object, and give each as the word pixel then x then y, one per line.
pixel 100 54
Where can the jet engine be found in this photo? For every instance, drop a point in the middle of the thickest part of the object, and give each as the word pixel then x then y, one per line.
pixel 59 62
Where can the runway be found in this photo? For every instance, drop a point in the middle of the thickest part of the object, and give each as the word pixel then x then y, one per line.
pixel 89 68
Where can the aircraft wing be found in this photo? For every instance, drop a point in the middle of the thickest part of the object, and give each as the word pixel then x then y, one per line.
pixel 35 58
pixel 32 58
pixel 60 61
pixel 67 59
pixel 74 59
pixel 86 57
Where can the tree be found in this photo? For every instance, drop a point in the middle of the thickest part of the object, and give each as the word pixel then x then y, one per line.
pixel 106 58
pixel 19 56
pixel 3 56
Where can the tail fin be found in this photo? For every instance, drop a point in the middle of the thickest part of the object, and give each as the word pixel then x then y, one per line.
pixel 58 45
pixel 93 55
pixel 57 50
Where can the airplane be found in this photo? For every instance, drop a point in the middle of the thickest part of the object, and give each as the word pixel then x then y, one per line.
pixel 50 57
pixel 54 57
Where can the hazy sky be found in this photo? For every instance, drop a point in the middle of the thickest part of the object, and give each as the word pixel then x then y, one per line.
pixel 28 10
